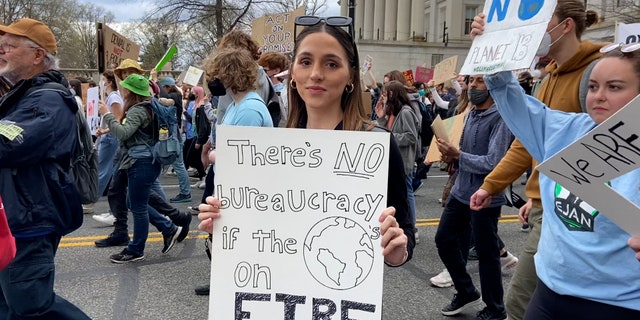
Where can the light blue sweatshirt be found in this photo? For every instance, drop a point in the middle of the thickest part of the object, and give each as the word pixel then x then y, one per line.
pixel 587 258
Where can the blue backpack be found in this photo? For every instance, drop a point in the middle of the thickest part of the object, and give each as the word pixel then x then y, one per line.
pixel 165 133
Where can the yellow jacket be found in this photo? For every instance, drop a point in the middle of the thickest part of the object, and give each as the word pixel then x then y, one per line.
pixel 559 91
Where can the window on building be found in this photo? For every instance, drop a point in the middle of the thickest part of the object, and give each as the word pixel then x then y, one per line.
pixel 470 13
pixel 436 58
pixel 442 14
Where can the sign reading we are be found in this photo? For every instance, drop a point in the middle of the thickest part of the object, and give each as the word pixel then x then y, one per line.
pixel 298 236
pixel 587 166
pixel 512 34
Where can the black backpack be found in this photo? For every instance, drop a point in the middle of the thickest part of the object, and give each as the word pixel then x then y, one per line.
pixel 84 162
pixel 426 133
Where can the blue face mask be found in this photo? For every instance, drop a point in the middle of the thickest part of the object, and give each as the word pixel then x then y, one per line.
pixel 421 92
pixel 278 87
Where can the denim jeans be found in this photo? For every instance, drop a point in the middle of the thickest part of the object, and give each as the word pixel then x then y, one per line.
pixel 157 188
pixel 119 204
pixel 452 241
pixel 107 146
pixel 181 172
pixel 26 285
pixel 411 198
pixel 141 176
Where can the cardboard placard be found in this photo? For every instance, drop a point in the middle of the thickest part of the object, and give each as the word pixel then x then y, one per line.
pixel 512 34
pixel 423 74
pixel 628 33
pixel 274 32
pixel 298 224
pixel 445 70
pixel 114 47
pixel 453 127
pixel 408 75
pixel 192 76
pixel 93 118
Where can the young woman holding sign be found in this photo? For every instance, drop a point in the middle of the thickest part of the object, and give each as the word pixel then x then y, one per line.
pixel 325 94
pixel 585 270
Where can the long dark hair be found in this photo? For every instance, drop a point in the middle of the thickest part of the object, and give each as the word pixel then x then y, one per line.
pixel 397 97
pixel 354 117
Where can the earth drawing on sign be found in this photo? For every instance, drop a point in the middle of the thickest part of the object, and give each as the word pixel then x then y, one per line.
pixel 330 256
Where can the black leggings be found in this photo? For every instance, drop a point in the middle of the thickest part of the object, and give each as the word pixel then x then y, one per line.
pixel 545 304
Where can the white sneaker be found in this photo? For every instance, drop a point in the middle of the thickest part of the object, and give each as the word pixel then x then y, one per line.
pixel 508 263
pixel 442 280
pixel 106 218
pixel 202 185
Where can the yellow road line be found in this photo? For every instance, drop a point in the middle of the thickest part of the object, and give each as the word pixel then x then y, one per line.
pixel 88 241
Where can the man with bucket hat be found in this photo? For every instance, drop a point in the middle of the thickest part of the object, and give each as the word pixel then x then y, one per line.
pixel 39 132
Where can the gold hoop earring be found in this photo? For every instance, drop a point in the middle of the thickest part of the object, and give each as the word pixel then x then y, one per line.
pixel 293 85
pixel 349 88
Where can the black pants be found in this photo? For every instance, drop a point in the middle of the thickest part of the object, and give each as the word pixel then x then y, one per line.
pixel 193 158
pixel 545 304
pixel 208 189
pixel 452 241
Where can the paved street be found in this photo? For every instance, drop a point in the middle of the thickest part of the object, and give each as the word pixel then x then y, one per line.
pixel 161 287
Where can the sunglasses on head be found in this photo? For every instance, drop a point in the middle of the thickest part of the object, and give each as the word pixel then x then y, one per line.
pixel 626 48
pixel 336 21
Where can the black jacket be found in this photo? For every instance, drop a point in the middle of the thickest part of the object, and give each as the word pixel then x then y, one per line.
pixel 38 195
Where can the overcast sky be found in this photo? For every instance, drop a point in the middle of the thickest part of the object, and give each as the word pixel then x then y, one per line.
pixel 135 9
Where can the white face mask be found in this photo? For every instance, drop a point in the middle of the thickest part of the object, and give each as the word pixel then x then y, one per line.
pixel 546 43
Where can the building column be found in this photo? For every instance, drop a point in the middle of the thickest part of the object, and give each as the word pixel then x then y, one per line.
pixel 368 20
pixel 344 8
pixel 378 20
pixel 390 21
pixel 417 19
pixel 404 20
pixel 433 29
pixel 360 17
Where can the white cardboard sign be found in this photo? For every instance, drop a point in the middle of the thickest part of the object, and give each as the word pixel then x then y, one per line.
pixel 298 236
pixel 512 34
pixel 605 153
pixel 628 33
pixel 192 76
pixel 93 118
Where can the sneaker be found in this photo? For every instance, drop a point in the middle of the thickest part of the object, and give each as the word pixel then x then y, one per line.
pixel 486 314
pixel 458 304
pixel 113 240
pixel 171 238
pixel 524 228
pixel 185 227
pixel 202 185
pixel 195 185
pixel 508 263
pixel 442 280
pixel 105 218
pixel 417 236
pixel 202 290
pixel 87 208
pixel 181 198
pixel 473 254
pixel 125 256
pixel 416 188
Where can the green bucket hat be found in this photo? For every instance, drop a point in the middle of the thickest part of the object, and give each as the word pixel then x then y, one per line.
pixel 137 84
